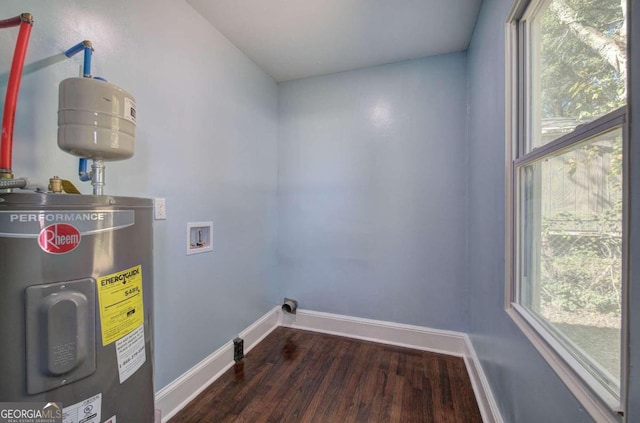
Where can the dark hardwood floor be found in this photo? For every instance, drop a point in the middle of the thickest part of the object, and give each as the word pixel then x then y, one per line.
pixel 301 376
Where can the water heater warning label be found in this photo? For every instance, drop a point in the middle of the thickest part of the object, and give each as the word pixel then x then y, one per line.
pixel 129 110
pixel 130 353
pixel 121 306
pixel 87 411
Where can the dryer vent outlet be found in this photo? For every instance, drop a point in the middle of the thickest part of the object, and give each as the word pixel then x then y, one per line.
pixel 289 306
pixel 238 349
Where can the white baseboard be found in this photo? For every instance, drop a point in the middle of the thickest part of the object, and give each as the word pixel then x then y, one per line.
pixel 181 391
pixel 173 397
pixel 481 388
pixel 417 337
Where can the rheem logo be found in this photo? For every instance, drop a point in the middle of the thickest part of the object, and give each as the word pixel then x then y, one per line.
pixel 60 238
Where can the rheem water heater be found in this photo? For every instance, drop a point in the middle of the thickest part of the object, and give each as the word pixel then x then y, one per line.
pixel 76 305
pixel 76 300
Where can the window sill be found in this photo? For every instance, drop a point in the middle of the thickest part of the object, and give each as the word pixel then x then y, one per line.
pixel 601 405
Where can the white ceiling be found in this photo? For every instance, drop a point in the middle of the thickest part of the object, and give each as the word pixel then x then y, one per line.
pixel 293 39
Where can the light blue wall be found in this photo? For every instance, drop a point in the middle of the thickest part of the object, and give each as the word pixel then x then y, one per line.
pixel 373 192
pixel 526 388
pixel 388 208
pixel 633 410
pixel 206 141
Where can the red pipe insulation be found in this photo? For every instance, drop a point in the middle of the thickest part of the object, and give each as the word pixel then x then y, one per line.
pixel 8 23
pixel 13 85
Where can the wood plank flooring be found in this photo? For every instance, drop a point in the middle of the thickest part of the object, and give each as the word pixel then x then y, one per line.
pixel 301 376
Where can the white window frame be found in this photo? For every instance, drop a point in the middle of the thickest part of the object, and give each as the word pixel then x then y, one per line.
pixel 597 401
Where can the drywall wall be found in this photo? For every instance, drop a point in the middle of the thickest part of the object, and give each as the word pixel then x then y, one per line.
pixel 373 192
pixel 526 388
pixel 374 180
pixel 633 411
pixel 206 141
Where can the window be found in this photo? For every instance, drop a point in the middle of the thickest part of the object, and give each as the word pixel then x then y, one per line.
pixel 566 180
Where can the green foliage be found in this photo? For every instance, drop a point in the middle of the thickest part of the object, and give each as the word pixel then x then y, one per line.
pixel 581 253
pixel 576 81
pixel 580 271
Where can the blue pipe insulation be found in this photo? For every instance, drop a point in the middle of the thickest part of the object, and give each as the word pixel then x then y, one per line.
pixel 86 72
pixel 86 69
pixel 75 49
pixel 82 170
pixel 88 51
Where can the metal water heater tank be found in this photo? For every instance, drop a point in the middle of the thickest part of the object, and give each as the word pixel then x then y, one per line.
pixel 76 305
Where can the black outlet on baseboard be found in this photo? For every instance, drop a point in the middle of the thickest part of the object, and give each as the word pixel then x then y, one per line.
pixel 238 349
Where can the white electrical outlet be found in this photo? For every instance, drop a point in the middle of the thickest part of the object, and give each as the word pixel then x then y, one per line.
pixel 159 208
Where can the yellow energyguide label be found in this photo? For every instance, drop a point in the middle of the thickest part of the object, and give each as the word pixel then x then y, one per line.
pixel 121 307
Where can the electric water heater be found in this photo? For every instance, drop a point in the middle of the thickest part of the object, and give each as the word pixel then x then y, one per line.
pixel 76 305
